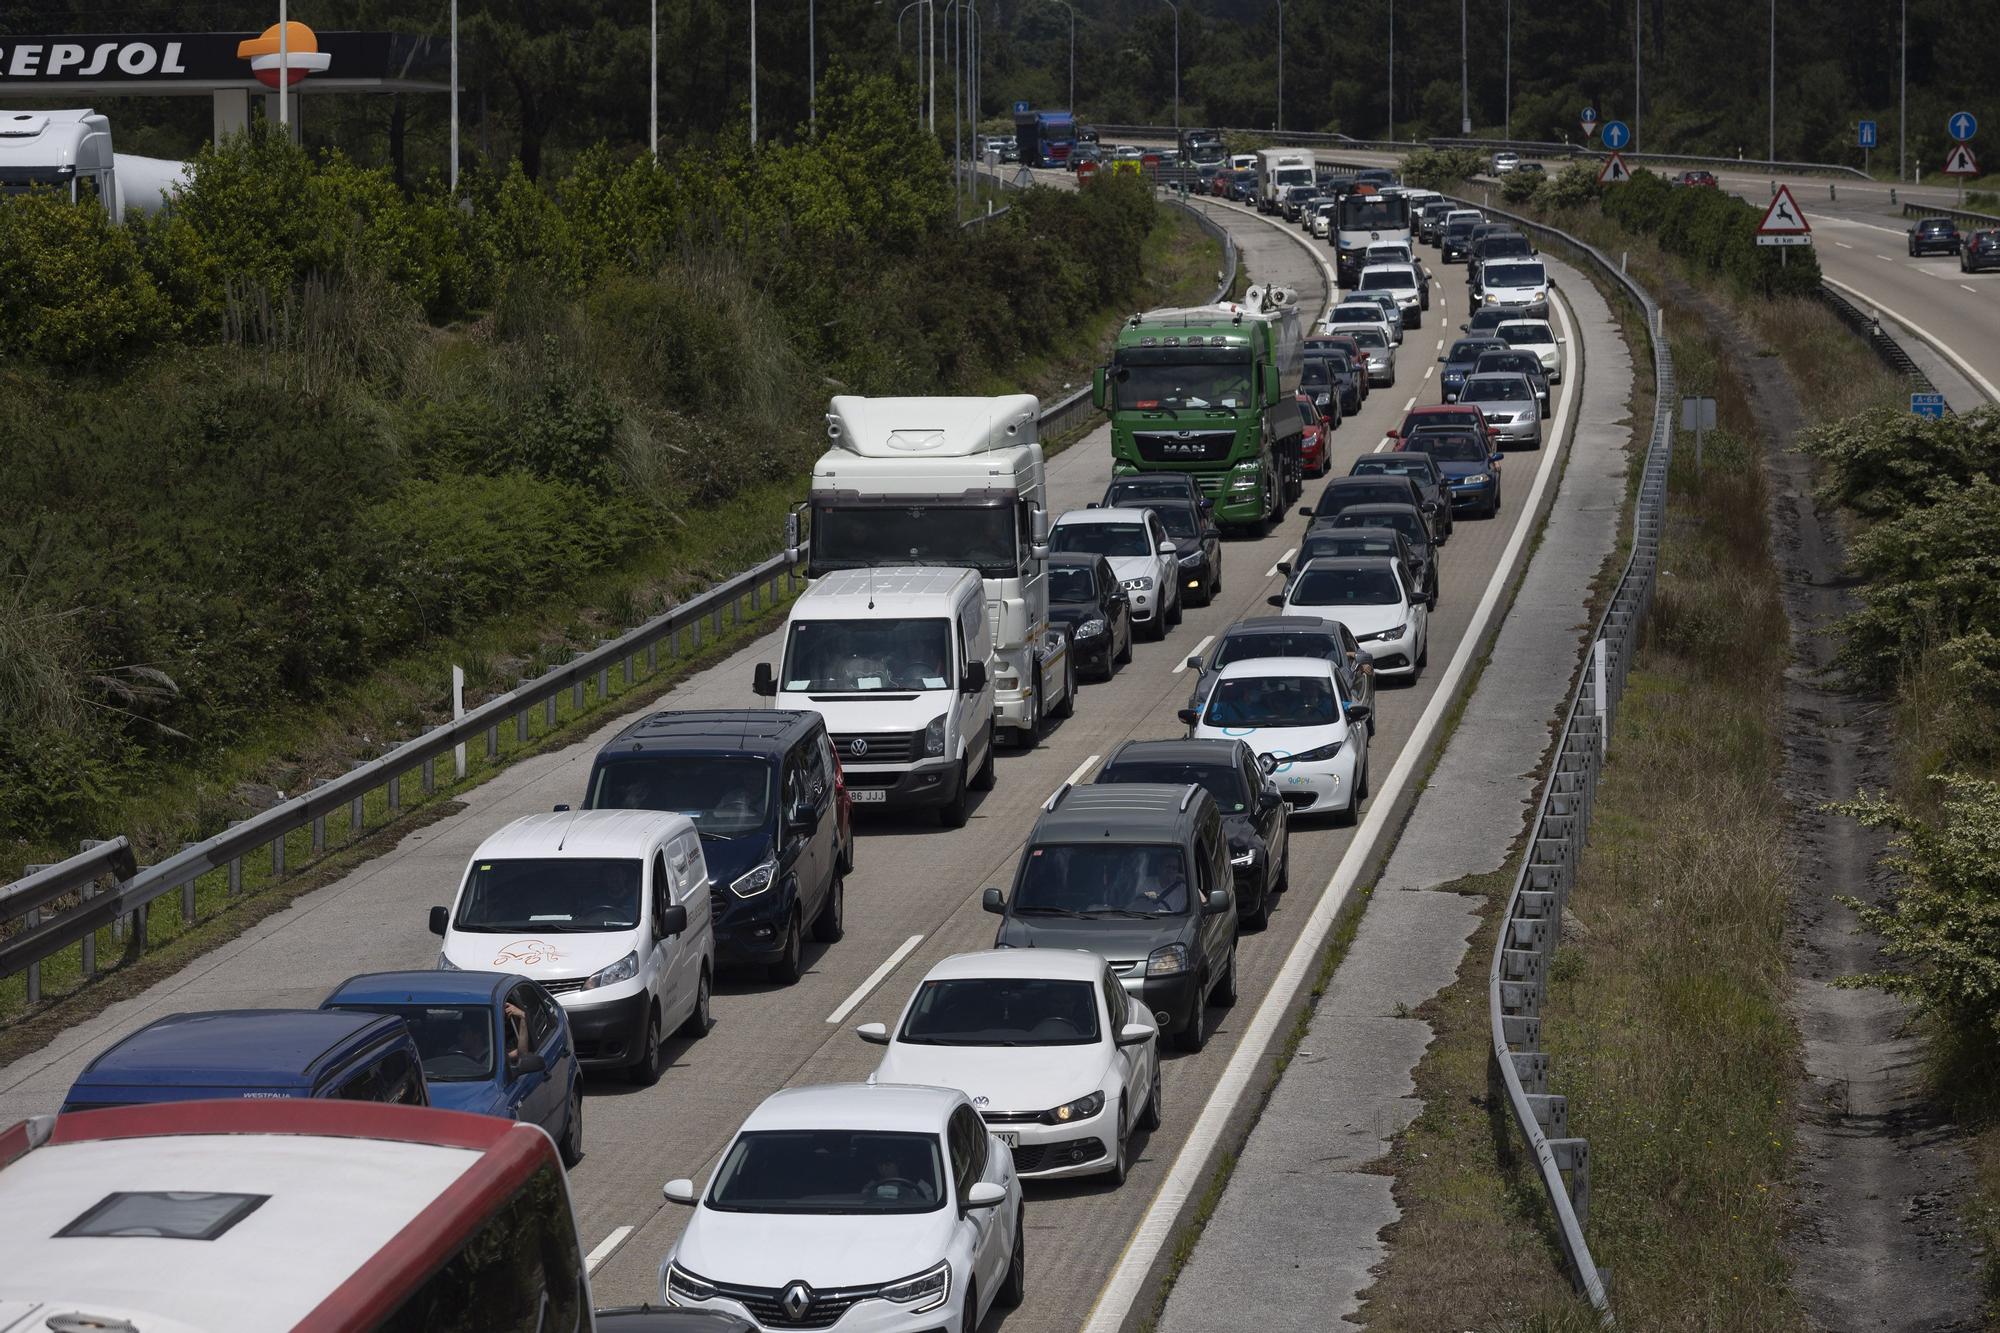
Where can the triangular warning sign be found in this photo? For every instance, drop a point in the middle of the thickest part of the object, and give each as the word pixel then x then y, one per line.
pixel 1783 217
pixel 1961 162
pixel 1614 170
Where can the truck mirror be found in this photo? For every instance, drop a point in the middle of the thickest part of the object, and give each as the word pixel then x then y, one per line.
pixel 764 682
pixel 975 678
pixel 1097 388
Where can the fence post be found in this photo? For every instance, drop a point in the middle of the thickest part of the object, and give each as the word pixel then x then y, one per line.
pixel 319 821
pixel 187 896
pixel 1597 652
pixel 235 871
pixel 428 769
pixel 354 807
pixel 457 712
pixel 29 920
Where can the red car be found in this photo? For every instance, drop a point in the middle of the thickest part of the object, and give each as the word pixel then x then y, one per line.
pixel 1314 451
pixel 1467 418
pixel 1706 178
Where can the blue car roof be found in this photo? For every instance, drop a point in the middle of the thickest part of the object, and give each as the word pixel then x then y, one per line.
pixel 436 987
pixel 275 1048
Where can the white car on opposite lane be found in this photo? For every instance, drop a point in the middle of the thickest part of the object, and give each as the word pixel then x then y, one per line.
pixel 1310 739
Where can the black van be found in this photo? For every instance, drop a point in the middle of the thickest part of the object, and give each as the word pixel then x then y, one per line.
pixel 760 786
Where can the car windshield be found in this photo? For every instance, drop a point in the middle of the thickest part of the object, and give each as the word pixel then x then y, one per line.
pixel 1224 781
pixel 1345 587
pixel 558 894
pixel 1002 1011
pixel 1315 548
pixel 455 1042
pixel 723 794
pixel 1497 389
pixel 1242 647
pixel 1314 372
pixel 1101 538
pixel 866 656
pixel 1406 521
pixel 1513 275
pixel 1273 701
pixel 830 1171
pixel 1454 448
pixel 1126 489
pixel 1177 520
pixel 1148 378
pixel 1069 583
pixel 1103 879
pixel 1368 337
pixel 1387 280
pixel 1519 334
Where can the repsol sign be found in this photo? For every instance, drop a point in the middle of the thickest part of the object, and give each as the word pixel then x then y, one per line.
pixel 60 61
pixel 53 60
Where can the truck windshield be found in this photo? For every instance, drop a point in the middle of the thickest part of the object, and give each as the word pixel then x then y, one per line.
pixel 560 894
pixel 868 656
pixel 723 794
pixel 1288 176
pixel 981 537
pixel 1149 378
pixel 1371 212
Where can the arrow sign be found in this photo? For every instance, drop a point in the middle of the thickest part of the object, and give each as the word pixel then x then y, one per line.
pixel 1961 162
pixel 1616 134
pixel 1614 171
pixel 1962 125
pixel 1590 115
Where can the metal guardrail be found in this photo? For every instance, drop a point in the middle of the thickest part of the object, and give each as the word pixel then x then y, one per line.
pixel 1962 216
pixel 1867 325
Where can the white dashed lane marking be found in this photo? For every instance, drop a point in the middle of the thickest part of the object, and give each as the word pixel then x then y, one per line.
pixel 1273 570
pixel 605 1248
pixel 853 1002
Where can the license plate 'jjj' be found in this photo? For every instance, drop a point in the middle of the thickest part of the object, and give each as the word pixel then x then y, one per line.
pixel 1011 1140
pixel 868 795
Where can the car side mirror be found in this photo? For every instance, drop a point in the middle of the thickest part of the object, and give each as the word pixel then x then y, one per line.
pixel 1268 799
pixel 1276 599
pixel 679 1191
pixel 1216 903
pixel 1359 712
pixel 1440 360
pixel 561 809
pixel 1562 340
pixel 875 1034
pixel 1283 567
pixel 440 919
pixel 1136 1034
pixel 1168 548
pixel 764 681
pixel 1194 663
pixel 1211 531
pixel 1305 511
pixel 986 1194
pixel 803 821
pixel 530 1062
pixel 992 901
pixel 673 921
pixel 1268 763
pixel 1189 716
pixel 1495 460
pixel 974 680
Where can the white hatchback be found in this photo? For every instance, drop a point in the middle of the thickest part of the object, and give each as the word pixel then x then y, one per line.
pixel 874 1207
pixel 1061 1065
pixel 1311 740
pixel 1399 282
pixel 1371 596
pixel 1535 335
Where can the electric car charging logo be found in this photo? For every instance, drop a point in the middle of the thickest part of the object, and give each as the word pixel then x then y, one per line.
pixel 301 55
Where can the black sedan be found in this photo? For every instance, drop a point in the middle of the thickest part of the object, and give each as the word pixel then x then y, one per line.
pixel 1980 251
pixel 1086 598
pixel 1406 519
pixel 1198 544
pixel 1934 236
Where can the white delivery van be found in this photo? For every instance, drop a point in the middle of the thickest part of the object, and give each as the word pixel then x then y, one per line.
pixel 899 661
pixel 608 910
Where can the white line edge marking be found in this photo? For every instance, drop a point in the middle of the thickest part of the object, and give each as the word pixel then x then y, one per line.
pixel 853 1002
pixel 606 1248
pixel 1407 406
pixel 1966 287
pixel 1181 665
pixel 1979 381
pixel 1121 1290
pixel 1272 572
pixel 1428 370
pixel 1076 774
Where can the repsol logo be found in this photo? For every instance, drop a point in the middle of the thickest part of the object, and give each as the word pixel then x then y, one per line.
pixel 74 60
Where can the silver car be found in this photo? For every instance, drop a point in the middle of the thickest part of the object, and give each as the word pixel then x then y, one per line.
pixel 1386 309
pixel 1509 403
pixel 1372 337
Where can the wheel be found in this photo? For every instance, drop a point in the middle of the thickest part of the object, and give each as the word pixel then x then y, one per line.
pixel 1067 708
pixel 1029 736
pixel 952 814
pixel 1156 628
pixel 1174 615
pixel 1361 786
pixel 1149 1119
pixel 831 923
pixel 1121 1152
pixel 571 1146
pixel 696 1025
pixel 969 1321
pixel 1424 653
pixel 847 856
pixel 982 777
pixel 1260 918
pixel 790 965
pixel 1224 995
pixel 1390 383
pixel 1123 657
pixel 645 1070
pixel 1284 879
pixel 1014 1289
pixel 1195 1035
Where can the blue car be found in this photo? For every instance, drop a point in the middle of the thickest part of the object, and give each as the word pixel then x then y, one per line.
pixel 1471 474
pixel 1458 362
pixel 492 1043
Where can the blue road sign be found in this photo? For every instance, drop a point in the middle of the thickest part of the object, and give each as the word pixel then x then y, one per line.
pixel 1020 107
pixel 1928 405
pixel 1865 134
pixel 1616 134
pixel 1589 116
pixel 1962 125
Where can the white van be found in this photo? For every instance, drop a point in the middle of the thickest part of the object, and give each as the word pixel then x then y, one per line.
pixel 608 910
pixel 899 663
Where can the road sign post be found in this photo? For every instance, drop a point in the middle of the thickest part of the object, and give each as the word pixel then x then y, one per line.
pixel 1698 415
pixel 1614 171
pixel 1928 405
pixel 1784 221
pixel 1865 139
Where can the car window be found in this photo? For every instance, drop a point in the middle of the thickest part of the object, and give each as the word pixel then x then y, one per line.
pixel 1102 879
pixel 1455 448
pixel 723 794
pixel 1526 333
pixel 1114 1000
pixel 1272 701
pixel 1070 583
pixel 1124 539
pixel 1222 780
pixel 1345 587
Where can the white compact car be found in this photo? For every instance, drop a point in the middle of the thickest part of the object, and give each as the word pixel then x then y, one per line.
pixel 1357 305
pixel 1535 335
pixel 1368 594
pixel 1400 283
pixel 609 911
pixel 1061 1064
pixel 1143 557
pixel 1311 740
pixel 871 1207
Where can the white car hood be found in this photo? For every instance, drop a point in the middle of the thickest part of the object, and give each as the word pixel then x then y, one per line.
pixel 549 956
pixel 846 1250
pixel 1279 741
pixel 1000 1078
pixel 1133 566
pixel 894 710
pixel 1358 619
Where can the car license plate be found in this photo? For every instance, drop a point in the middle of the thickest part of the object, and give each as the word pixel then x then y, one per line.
pixel 868 795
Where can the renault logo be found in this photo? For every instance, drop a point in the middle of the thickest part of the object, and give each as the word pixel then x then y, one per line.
pixel 798 1299
pixel 857 747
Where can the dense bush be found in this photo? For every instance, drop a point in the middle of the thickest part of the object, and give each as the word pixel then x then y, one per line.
pixel 1714 231
pixel 1442 168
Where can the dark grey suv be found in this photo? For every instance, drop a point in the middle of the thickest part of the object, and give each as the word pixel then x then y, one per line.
pixel 1140 876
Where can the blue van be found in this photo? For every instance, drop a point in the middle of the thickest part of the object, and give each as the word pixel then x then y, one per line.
pixel 270 1053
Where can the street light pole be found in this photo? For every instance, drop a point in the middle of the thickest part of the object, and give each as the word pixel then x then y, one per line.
pixel 1392 71
pixel 1464 79
pixel 1771 154
pixel 652 89
pixel 1507 104
pixel 812 70
pixel 1903 111
pixel 1281 66
pixel 1177 64
pixel 753 73
pixel 1638 100
pixel 454 95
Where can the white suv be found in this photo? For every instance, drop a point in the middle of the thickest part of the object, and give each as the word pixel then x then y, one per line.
pixel 1143 557
pixel 1400 281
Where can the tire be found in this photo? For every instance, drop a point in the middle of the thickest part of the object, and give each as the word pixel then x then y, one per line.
pixel 700 1019
pixel 1156 628
pixel 571 1146
pixel 791 963
pixel 1014 1289
pixel 982 777
pixel 645 1071
pixel 969 1321
pixel 1195 1035
pixel 1067 708
pixel 1361 785
pixel 831 923
pixel 1224 995
pixel 953 813
pixel 1149 1119
pixel 1030 736
pixel 1390 383
pixel 1215 584
pixel 1260 918
pixel 1284 879
pixel 1121 1150
pixel 1123 657
pixel 846 860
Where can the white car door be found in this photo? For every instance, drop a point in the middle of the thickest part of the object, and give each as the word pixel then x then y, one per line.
pixel 690 873
pixel 1166 566
pixel 662 968
pixel 1134 1063
pixel 971 1147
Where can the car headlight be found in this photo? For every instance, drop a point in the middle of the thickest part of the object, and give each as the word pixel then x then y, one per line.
pixel 1319 756
pixel 1322 400
pixel 1540 296
pixel 1476 479
pixel 1195 558
pixel 1090 629
pixel 623 970
pixel 1246 857
pixel 755 880
pixel 926 1291
pixel 446 965
pixel 1081 1109
pixel 1395 633
pixel 685 1286
pixel 1143 584
pixel 934 736
pixel 1167 961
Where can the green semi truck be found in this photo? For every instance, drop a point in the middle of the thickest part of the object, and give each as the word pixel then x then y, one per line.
pixel 1211 391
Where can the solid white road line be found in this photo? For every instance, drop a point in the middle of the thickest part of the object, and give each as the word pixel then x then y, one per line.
pixel 1973 290
pixel 852 1002
pixel 1272 572
pixel 1983 384
pixel 1155 1229
pixel 1076 774
pixel 605 1249
pixel 1407 406
pixel 1195 651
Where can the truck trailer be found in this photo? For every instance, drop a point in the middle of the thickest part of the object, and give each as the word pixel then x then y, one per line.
pixel 70 151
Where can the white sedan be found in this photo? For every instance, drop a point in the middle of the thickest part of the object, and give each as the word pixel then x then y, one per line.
pixel 1310 739
pixel 1535 335
pixel 1060 1063
pixel 1371 596
pixel 870 1206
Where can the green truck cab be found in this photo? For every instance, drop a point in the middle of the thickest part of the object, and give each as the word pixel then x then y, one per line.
pixel 1211 391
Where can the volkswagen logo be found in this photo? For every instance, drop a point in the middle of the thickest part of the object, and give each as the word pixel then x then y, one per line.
pixel 979 1101
pixel 857 747
pixel 798 1299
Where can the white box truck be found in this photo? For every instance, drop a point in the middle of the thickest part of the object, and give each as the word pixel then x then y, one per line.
pixel 70 151
pixel 1278 170
pixel 952 483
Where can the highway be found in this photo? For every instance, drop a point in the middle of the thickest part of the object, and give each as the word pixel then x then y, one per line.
pixel 912 900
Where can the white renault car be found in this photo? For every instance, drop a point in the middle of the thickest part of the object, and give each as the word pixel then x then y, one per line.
pixel 1143 557
pixel 1369 595
pixel 1535 335
pixel 870 1207
pixel 1310 738
pixel 1060 1063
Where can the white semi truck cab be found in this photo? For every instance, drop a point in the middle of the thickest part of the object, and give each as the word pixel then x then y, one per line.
pixel 952 483
pixel 70 151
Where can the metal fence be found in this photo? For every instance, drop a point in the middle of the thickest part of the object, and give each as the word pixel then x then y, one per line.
pixel 1964 217
pixel 1867 325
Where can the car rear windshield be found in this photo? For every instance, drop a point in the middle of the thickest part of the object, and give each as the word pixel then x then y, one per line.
pixel 833 1171
pixel 1513 363
pixel 1454 448
pixel 1103 879
pixel 1406 521
pixel 1517 334
pixel 1345 587
pixel 454 1041
pixel 1071 583
pixel 1386 281
pixel 1514 275
pixel 1498 389
pixel 1315 548
pixel 1467 350
pixel 1392 465
pixel 1367 312
pixel 559 894
pixel 723 794
pixel 1273 701
pixel 1002 1011
pixel 1144 488
pixel 1223 781
pixel 1178 520
pixel 1368 337
pixel 1241 647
